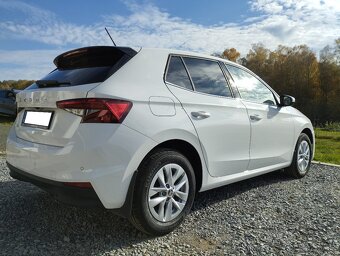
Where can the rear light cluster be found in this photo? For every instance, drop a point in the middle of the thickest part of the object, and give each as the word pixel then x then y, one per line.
pixel 97 110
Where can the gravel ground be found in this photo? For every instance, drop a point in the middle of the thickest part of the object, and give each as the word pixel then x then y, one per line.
pixel 267 215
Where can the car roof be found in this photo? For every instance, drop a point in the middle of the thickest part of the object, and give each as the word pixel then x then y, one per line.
pixel 188 53
pixel 164 51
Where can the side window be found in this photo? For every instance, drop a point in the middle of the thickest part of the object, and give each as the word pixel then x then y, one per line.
pixel 250 87
pixel 207 76
pixel 177 74
pixel 3 94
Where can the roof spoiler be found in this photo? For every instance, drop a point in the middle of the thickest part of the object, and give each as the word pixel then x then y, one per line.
pixel 92 56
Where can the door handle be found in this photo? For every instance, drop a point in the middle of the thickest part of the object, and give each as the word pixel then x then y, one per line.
pixel 255 117
pixel 200 114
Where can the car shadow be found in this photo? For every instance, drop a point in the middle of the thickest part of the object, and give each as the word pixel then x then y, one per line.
pixel 31 217
pixel 226 192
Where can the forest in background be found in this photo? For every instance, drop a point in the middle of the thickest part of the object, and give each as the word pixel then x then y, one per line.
pixel 313 80
pixel 296 71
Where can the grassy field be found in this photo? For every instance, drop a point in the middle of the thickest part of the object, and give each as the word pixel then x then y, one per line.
pixel 327 146
pixel 327 142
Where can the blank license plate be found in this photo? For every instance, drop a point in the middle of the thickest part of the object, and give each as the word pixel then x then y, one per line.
pixel 38 119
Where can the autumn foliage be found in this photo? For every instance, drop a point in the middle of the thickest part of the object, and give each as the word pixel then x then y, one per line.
pixel 15 84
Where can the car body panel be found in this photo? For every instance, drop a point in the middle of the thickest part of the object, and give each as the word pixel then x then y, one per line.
pixel 107 161
pixel 272 135
pixel 64 124
pixel 225 134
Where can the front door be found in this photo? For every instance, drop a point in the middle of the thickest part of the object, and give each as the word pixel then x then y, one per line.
pixel 272 128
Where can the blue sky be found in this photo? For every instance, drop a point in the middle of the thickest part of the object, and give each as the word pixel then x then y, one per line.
pixel 33 32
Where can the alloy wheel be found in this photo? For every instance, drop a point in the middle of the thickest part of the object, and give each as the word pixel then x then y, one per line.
pixel 168 192
pixel 303 156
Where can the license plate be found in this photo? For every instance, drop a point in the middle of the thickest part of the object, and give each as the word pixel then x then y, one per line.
pixel 39 119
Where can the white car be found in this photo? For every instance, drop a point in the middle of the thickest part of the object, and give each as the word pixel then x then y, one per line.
pixel 142 130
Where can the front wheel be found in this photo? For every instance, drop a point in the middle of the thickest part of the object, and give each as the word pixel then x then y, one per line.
pixel 164 192
pixel 302 157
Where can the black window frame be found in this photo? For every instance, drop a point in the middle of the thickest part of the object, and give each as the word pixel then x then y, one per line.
pixel 232 93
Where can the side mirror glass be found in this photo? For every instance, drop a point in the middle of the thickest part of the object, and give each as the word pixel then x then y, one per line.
pixel 286 100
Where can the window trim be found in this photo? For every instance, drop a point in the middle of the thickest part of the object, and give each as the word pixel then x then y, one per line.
pixel 231 81
pixel 275 95
pixel 187 70
pixel 232 96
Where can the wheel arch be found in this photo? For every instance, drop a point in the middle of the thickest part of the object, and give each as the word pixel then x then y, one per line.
pixel 189 151
pixel 309 133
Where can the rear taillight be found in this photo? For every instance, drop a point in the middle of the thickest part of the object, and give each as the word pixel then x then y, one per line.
pixel 96 110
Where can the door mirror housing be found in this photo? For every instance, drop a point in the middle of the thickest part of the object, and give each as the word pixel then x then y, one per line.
pixel 286 100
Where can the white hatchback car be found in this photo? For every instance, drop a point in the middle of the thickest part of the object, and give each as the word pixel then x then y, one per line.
pixel 142 130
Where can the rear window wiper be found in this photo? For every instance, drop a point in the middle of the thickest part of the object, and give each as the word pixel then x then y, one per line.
pixel 50 83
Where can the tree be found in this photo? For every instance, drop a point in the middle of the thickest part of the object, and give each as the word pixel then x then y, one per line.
pixel 230 54
pixel 329 66
pixel 257 61
pixel 289 70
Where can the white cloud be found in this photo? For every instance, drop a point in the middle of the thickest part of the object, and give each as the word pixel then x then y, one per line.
pixel 289 22
pixel 33 64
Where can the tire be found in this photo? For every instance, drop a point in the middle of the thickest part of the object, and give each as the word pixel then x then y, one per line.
pixel 302 157
pixel 154 211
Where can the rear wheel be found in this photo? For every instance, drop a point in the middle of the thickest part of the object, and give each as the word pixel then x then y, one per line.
pixel 164 192
pixel 302 157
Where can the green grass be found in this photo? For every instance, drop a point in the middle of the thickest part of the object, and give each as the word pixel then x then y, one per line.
pixel 327 147
pixel 327 142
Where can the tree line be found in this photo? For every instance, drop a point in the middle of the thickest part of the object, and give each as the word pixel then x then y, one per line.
pixel 314 82
pixel 15 84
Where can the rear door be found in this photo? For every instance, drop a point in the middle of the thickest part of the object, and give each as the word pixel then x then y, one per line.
pixel 221 121
pixel 78 71
pixel 272 128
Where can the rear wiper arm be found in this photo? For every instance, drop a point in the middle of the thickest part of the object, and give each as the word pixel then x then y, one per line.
pixel 50 83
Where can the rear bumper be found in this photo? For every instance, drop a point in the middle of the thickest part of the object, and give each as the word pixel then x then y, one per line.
pixel 108 161
pixel 84 197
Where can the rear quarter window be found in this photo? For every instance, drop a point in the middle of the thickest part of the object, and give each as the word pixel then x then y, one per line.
pixel 176 73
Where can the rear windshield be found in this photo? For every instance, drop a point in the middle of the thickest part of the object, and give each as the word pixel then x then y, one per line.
pixel 87 65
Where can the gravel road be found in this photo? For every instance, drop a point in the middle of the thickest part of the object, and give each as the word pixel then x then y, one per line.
pixel 271 214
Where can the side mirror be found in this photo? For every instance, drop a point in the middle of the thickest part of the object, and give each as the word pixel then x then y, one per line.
pixel 11 95
pixel 286 100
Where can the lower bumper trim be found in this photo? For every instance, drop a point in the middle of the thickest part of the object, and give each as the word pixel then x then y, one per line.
pixel 83 197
